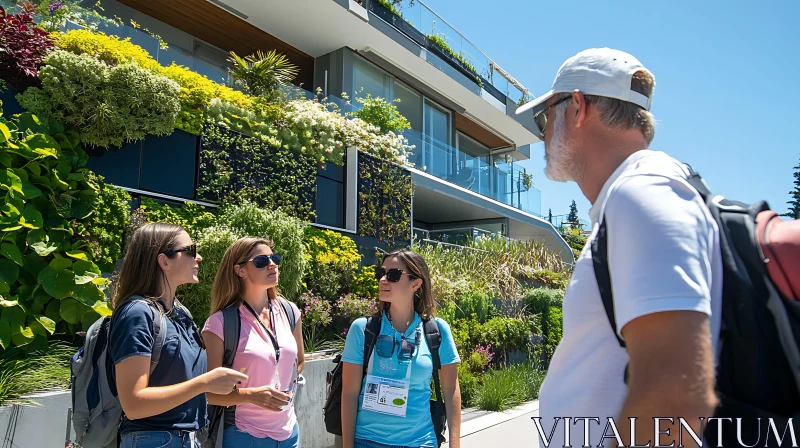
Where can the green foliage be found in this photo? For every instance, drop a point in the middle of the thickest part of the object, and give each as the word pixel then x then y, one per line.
pixel 350 307
pixel 507 387
pixel 794 203
pixel 23 372
pixel 574 238
pixel 439 41
pixel 527 181
pixel 192 217
pixel 468 384
pixel 99 100
pixel 503 333
pixel 108 223
pixel 234 221
pixel 364 282
pixel 196 90
pixel 476 304
pixel 332 261
pixel 550 279
pixel 384 115
pixel 237 168
pixel 384 195
pixel 262 74
pixel 47 275
pixel 552 328
pixel 538 300
pixel 573 214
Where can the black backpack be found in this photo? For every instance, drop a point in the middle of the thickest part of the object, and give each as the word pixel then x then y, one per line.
pixel 231 326
pixel 332 410
pixel 758 374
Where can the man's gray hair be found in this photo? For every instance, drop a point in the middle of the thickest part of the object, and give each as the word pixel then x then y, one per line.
pixel 622 114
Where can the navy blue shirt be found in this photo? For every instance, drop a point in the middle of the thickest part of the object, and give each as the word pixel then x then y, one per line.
pixel 182 358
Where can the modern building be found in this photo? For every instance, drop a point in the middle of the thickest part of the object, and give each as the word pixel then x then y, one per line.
pixel 460 104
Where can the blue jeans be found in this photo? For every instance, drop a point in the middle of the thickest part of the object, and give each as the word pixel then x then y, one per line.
pixel 363 443
pixel 158 439
pixel 232 437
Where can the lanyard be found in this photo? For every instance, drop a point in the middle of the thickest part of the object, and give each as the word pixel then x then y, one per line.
pixel 274 339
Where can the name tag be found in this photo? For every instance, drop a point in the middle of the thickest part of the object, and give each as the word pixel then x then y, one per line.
pixel 386 395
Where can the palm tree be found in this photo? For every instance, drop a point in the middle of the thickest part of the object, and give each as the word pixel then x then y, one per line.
pixel 262 74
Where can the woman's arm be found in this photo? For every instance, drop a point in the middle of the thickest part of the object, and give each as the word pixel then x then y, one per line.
pixel 301 350
pixel 452 402
pixel 265 396
pixel 140 401
pixel 352 374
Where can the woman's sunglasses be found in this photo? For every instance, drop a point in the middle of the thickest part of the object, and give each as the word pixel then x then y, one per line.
pixel 393 275
pixel 385 345
pixel 191 249
pixel 262 261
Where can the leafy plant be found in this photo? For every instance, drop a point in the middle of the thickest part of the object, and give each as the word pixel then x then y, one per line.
pixel 552 328
pixel 316 317
pixel 196 90
pixel 24 47
pixel 384 194
pixel 108 223
pixel 439 41
pixel 468 384
pixel 23 372
pixel 54 15
pixel 537 300
pixel 331 260
pixel 262 74
pixel 384 115
pixel 108 105
pixel 48 280
pixel 237 168
pixel 364 282
pixel 350 307
pixel 507 387
pixel 476 304
pixel 527 181
pixel 191 216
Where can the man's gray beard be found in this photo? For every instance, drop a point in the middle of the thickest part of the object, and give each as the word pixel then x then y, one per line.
pixel 561 162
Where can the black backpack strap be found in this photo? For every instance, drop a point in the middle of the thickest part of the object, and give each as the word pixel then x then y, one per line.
pixel 371 332
pixel 601 272
pixel 287 307
pixel 434 339
pixel 231 326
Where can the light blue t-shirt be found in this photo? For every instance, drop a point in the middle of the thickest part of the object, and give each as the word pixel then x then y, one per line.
pixel 416 429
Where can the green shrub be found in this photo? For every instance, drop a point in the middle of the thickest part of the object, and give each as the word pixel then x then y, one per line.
pixel 108 222
pixel 192 217
pixel 468 384
pixel 504 334
pixel 22 372
pixel 552 328
pixel 331 261
pixel 379 113
pixel 364 282
pixel 479 304
pixel 447 311
pixel 108 105
pixel 48 281
pixel 537 300
pixel 510 386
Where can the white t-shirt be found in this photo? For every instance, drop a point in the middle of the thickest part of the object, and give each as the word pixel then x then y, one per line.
pixel 663 255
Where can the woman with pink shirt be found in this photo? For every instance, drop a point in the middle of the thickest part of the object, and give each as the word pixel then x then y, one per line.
pixel 268 351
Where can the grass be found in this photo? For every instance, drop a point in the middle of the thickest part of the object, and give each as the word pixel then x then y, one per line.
pixel 22 373
pixel 504 388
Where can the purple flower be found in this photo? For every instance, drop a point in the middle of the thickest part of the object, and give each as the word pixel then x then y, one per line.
pixel 55 7
pixel 344 333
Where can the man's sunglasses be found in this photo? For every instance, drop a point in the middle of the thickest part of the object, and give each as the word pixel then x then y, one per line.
pixel 262 261
pixel 540 118
pixel 393 275
pixel 191 249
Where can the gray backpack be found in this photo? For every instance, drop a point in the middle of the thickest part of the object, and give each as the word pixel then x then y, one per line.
pixel 96 410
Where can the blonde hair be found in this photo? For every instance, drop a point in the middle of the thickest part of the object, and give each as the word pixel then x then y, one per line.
pixel 140 273
pixel 228 287
pixel 424 304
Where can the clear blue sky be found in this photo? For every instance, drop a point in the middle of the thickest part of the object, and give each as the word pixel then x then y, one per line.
pixel 727 74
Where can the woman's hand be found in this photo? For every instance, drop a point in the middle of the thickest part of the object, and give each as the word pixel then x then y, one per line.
pixel 221 380
pixel 266 397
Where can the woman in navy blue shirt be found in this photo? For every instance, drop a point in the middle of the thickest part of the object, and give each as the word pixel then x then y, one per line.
pixel 166 408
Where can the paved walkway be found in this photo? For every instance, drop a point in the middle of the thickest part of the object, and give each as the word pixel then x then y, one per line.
pixel 513 428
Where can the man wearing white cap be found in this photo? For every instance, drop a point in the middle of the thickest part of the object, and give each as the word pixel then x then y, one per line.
pixel 663 266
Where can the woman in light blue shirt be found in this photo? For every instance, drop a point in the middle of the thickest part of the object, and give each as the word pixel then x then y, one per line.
pixel 390 405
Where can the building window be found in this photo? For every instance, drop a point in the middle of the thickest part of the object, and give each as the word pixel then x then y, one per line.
pixel 330 195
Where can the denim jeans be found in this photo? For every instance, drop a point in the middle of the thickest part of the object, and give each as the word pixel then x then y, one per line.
pixel 159 439
pixel 232 437
pixel 362 443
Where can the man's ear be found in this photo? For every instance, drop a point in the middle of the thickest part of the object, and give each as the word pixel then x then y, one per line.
pixel 581 107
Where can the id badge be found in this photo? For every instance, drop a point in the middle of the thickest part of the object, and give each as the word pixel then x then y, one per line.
pixel 386 395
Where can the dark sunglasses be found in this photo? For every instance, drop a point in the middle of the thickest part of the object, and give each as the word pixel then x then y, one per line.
pixel 386 344
pixel 191 249
pixel 540 118
pixel 262 261
pixel 393 275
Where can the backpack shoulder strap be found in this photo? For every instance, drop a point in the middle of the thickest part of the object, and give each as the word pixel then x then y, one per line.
pixel 371 332
pixel 601 272
pixel 231 326
pixel 434 338
pixel 287 307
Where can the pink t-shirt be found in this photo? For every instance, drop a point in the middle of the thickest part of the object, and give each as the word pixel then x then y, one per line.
pixel 256 355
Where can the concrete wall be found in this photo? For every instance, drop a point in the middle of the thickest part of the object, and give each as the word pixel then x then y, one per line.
pixel 43 422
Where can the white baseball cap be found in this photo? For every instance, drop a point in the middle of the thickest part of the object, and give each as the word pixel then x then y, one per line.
pixel 597 71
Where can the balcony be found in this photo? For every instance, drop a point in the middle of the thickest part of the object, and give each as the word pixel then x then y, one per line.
pixel 420 23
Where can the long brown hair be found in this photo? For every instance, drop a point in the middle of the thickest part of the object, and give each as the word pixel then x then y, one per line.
pixel 228 288
pixel 140 273
pixel 424 304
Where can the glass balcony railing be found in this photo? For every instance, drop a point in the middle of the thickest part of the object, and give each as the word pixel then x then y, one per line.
pixel 426 21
